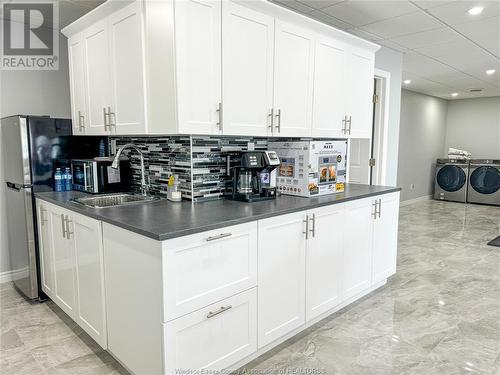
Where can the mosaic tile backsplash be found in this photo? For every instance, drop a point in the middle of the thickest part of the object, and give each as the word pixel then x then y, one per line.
pixel 200 162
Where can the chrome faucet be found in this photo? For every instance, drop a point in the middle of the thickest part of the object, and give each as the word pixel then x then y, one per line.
pixel 116 163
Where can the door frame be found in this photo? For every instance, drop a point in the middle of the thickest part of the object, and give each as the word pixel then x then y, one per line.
pixel 378 174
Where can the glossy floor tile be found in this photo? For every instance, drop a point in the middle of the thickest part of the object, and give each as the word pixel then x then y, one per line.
pixel 440 314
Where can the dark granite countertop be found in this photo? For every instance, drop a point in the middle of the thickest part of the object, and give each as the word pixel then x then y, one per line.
pixel 163 220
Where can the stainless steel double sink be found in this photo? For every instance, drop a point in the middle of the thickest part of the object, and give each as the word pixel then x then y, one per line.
pixel 113 200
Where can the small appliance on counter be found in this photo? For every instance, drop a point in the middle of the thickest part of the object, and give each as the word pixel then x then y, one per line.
pixel 255 178
pixel 309 168
pixel 97 176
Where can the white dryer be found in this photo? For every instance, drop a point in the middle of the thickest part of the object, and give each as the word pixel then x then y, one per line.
pixel 484 182
pixel 450 183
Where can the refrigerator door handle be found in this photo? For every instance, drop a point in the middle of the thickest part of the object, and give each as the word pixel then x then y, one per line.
pixel 13 186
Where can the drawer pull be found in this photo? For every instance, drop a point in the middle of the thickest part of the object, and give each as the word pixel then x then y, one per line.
pixel 211 314
pixel 219 236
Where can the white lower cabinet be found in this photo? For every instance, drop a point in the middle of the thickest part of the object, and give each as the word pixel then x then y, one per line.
pixel 324 260
pixel 282 244
pixel 206 267
pixel 212 338
pixel 72 266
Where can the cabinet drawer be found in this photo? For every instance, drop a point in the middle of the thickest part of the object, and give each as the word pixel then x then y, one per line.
pixel 214 337
pixel 207 267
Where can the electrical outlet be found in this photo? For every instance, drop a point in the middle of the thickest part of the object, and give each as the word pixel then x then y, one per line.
pixel 412 186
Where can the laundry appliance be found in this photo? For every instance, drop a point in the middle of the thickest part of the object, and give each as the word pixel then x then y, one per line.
pixel 450 182
pixel 484 182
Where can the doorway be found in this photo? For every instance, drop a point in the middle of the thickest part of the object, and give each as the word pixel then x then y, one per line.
pixel 368 157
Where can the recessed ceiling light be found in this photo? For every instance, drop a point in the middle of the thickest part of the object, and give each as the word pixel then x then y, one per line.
pixel 490 71
pixel 407 81
pixel 454 94
pixel 475 11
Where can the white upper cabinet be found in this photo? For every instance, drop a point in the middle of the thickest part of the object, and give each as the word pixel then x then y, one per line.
pixel 76 52
pixel 359 75
pixel 127 115
pixel 97 77
pixel 247 64
pixel 216 67
pixel 293 80
pixel 198 59
pixel 329 92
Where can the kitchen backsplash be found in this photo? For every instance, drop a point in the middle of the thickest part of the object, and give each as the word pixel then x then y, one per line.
pixel 199 161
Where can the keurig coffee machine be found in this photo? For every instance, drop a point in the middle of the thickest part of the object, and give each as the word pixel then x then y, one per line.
pixel 255 178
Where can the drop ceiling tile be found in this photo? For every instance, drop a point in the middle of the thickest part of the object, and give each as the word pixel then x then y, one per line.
pixel 403 25
pixel 427 4
pixel 294 5
pixel 484 32
pixel 329 20
pixel 424 66
pixel 364 35
pixel 456 12
pixel 428 38
pixel 320 4
pixel 360 13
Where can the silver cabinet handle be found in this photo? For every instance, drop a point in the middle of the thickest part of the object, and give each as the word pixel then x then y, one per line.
pixel 374 210
pixel 379 208
pixel 344 125
pixel 219 115
pixel 211 314
pixel 271 116
pixel 218 237
pixel 306 232
pixel 43 218
pixel 313 226
pixel 112 118
pixel 68 232
pixel 63 226
pixel 278 120
pixel 350 122
pixel 105 114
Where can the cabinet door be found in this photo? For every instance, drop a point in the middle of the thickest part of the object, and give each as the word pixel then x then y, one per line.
pixel 385 238
pixel 247 64
pixel 206 267
pixel 198 64
pixel 45 246
pixel 214 337
pixel 293 80
pixel 324 256
pixel 127 70
pixel 356 276
pixel 76 55
pixel 328 96
pixel 64 263
pixel 359 71
pixel 86 234
pixel 97 76
pixel 281 276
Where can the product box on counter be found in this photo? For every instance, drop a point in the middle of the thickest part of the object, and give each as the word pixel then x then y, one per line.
pixel 310 168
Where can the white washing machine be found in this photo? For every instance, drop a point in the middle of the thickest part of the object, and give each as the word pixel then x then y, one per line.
pixel 450 183
pixel 484 182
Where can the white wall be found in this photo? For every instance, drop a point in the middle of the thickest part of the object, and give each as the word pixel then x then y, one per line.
pixel 36 93
pixel 421 141
pixel 392 61
pixel 474 125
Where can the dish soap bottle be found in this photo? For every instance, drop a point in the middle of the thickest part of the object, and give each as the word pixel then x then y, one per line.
pixel 173 192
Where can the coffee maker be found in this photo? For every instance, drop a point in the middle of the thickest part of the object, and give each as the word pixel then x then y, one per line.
pixel 255 178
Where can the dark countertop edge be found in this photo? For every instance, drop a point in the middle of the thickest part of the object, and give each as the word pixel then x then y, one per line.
pixel 75 207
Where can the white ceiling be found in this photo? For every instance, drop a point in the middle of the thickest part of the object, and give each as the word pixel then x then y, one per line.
pixel 445 49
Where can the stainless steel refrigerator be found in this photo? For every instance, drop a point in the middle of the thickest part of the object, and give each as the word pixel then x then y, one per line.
pixel 33 146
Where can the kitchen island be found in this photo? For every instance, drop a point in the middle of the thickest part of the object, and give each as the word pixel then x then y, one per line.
pixel 178 287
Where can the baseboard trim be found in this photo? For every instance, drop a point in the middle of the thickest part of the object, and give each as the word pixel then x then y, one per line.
pixel 8 276
pixel 415 200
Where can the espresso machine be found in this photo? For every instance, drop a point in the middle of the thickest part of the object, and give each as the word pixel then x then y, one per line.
pixel 254 179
